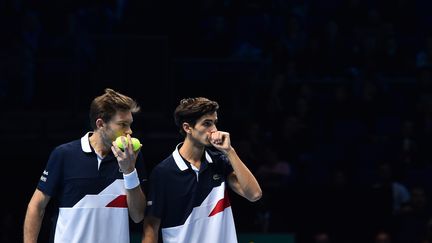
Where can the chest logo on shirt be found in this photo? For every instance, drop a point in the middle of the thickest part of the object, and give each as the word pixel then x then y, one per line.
pixel 216 177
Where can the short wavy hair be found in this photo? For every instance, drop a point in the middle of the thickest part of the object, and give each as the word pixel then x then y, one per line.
pixel 105 106
pixel 190 110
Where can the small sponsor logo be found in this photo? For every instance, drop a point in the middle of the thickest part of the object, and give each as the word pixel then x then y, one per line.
pixel 216 177
pixel 149 203
pixel 45 172
pixel 43 178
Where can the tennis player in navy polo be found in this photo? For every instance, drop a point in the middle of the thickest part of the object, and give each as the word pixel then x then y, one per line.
pixel 97 185
pixel 188 196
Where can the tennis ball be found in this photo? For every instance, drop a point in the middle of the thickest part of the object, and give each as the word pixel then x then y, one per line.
pixel 136 144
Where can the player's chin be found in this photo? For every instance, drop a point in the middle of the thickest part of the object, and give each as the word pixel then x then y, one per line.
pixel 208 144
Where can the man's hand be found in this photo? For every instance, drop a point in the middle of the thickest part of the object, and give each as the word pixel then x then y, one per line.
pixel 221 141
pixel 127 158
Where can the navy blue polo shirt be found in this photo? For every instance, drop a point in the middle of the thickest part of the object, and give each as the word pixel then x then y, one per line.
pixel 91 197
pixel 192 206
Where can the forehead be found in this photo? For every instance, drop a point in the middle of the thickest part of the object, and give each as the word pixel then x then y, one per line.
pixel 208 117
pixel 122 116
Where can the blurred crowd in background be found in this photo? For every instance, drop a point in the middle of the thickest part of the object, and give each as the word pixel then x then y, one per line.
pixel 328 102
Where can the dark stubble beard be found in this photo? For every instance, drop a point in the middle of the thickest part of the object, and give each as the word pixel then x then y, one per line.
pixel 106 140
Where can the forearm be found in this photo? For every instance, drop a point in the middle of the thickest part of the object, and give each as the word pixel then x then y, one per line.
pixel 136 203
pixel 150 238
pixel 246 181
pixel 151 230
pixel 32 224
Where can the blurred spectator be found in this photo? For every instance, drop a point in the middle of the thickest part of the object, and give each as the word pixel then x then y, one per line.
pixel 393 56
pixel 408 145
pixel 292 137
pixel 424 54
pixel 351 15
pixel 428 235
pixel 273 172
pixel 217 37
pixel 400 193
pixel 370 101
pixel 341 105
pixel 331 51
pixel 382 237
pixel 321 237
pixel 412 222
pixel 18 60
pixel 343 207
pixel 294 36
pixel 9 232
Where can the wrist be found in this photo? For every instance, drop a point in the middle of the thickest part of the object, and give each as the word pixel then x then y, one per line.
pixel 127 171
pixel 131 179
pixel 229 151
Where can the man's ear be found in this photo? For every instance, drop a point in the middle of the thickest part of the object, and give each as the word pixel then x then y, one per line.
pixel 100 123
pixel 187 128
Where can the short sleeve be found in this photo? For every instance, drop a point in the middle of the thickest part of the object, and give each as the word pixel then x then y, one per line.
pixel 156 196
pixel 50 179
pixel 227 168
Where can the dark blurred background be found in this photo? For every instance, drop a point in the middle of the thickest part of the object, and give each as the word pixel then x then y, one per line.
pixel 329 103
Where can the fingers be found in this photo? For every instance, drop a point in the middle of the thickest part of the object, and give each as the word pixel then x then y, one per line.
pixel 138 150
pixel 129 147
pixel 125 157
pixel 115 149
pixel 127 150
pixel 122 153
pixel 218 137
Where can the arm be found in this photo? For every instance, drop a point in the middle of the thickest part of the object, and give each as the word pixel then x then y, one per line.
pixel 135 197
pixel 241 180
pixel 136 202
pixel 151 230
pixel 34 216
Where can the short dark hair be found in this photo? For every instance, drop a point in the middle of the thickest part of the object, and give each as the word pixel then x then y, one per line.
pixel 105 106
pixel 191 109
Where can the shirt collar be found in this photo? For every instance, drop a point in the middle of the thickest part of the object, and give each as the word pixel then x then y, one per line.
pixel 85 143
pixel 181 163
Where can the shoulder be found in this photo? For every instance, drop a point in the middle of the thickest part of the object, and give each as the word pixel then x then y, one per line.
pixel 66 148
pixel 64 153
pixel 72 145
pixel 167 164
pixel 216 154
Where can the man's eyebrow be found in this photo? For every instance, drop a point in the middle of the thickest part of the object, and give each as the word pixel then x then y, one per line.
pixel 208 119
pixel 124 121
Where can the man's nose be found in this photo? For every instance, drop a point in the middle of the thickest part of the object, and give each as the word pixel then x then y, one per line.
pixel 128 131
pixel 213 129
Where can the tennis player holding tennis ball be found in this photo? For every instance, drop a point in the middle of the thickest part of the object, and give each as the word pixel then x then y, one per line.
pixel 123 141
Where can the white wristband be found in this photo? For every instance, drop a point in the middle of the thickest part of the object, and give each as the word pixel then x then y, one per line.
pixel 131 180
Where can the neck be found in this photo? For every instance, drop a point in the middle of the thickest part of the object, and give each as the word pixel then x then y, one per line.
pixel 97 144
pixel 191 152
